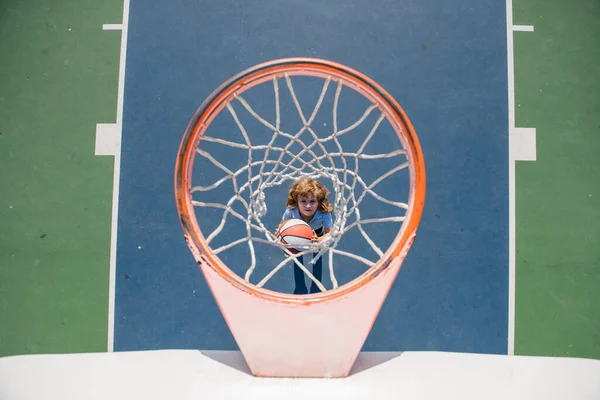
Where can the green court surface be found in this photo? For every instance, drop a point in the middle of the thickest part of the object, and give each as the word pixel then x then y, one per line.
pixel 59 78
pixel 557 79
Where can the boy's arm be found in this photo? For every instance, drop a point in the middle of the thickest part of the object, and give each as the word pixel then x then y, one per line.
pixel 328 220
pixel 316 238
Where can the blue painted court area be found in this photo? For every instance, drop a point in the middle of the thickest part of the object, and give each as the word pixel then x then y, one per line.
pixel 446 65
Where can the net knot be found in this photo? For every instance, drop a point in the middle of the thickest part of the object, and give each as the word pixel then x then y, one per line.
pixel 258 204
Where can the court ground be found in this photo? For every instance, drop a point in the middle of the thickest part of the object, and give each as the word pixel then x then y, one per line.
pixel 94 100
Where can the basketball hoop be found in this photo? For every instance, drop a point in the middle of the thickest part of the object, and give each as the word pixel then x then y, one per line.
pixel 267 325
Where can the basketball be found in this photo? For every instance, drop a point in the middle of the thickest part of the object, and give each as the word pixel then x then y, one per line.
pixel 295 232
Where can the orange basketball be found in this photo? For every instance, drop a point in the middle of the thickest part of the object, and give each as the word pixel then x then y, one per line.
pixel 295 232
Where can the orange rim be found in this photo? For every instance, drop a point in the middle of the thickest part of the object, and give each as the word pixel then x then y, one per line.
pixel 252 77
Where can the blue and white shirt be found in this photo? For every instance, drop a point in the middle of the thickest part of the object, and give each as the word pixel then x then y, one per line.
pixel 318 220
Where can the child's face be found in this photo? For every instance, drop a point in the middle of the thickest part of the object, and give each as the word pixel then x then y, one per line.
pixel 307 205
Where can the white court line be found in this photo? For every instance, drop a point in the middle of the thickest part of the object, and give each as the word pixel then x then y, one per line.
pixel 116 178
pixel 521 144
pixel 108 139
pixel 522 28
pixel 112 27
pixel 511 180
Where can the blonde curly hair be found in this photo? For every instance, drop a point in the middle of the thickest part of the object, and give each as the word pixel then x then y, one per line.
pixel 307 186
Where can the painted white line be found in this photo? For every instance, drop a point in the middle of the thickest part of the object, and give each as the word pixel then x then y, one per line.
pixel 521 147
pixel 112 27
pixel 108 139
pixel 511 181
pixel 116 178
pixel 522 28
pixel 522 142
pixel 512 262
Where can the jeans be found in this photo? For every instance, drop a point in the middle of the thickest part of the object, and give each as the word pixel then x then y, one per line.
pixel 317 273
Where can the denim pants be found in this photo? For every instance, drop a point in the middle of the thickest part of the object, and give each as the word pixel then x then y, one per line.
pixel 317 272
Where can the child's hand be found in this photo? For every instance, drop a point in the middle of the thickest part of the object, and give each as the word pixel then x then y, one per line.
pixel 317 239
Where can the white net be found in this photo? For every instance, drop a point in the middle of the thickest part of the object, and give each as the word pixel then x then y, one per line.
pixel 283 157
